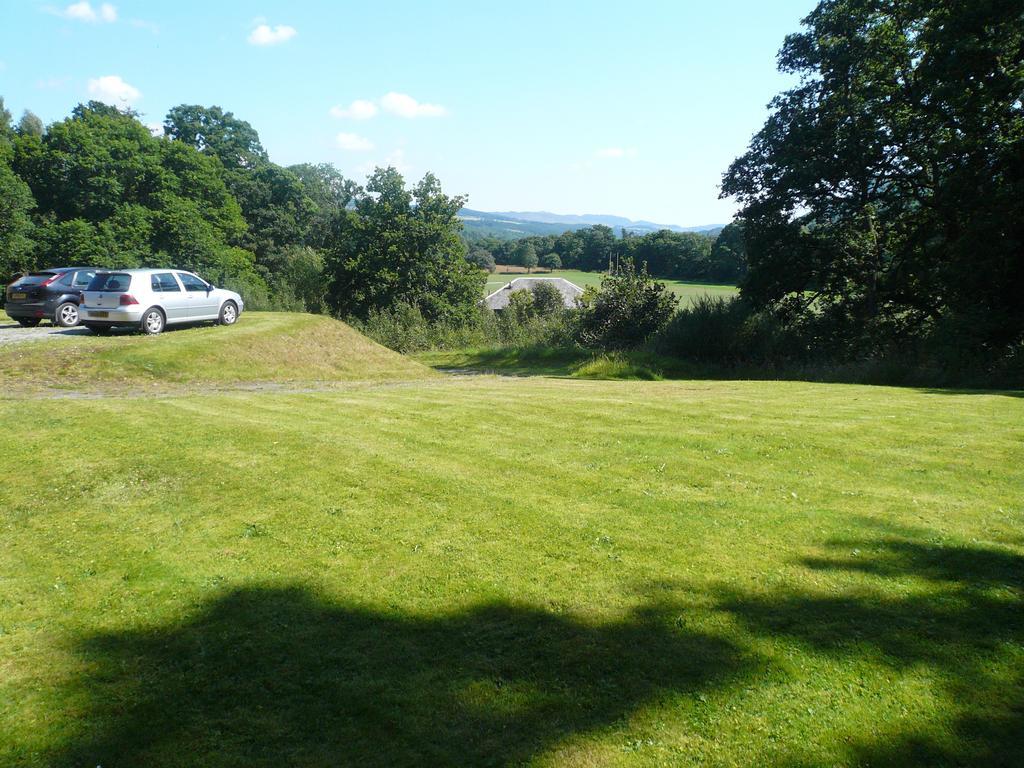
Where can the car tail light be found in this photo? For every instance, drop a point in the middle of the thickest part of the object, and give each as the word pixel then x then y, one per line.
pixel 127 300
pixel 52 279
pixel 81 297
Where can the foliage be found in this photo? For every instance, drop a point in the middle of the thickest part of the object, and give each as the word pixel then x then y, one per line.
pixel 30 124
pixel 404 328
pixel 550 261
pixel 403 247
pixel 629 308
pixel 886 189
pixel 547 299
pixel 15 225
pixel 481 258
pixel 667 254
pixel 520 306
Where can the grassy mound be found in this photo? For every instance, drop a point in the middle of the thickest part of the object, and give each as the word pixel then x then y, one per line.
pixel 264 347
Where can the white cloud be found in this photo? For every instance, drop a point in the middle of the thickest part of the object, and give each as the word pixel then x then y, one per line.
pixel 84 11
pixel 52 83
pixel 111 89
pixel 352 142
pixel 360 109
pixel 156 129
pixel 264 34
pixel 616 153
pixel 403 105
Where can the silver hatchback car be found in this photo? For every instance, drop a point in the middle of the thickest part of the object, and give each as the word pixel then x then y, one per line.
pixel 151 299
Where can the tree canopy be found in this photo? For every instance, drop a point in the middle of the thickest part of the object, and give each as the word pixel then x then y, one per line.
pixel 886 189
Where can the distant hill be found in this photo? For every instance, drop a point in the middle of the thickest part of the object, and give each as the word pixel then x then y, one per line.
pixel 511 225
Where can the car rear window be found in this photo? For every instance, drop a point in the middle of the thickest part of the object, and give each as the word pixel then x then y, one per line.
pixel 35 278
pixel 112 282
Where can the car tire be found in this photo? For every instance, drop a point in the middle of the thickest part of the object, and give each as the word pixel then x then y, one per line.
pixel 228 313
pixel 153 321
pixel 67 315
pixel 28 322
pixel 100 330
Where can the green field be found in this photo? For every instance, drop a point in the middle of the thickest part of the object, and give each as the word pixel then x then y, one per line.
pixel 686 292
pixel 480 570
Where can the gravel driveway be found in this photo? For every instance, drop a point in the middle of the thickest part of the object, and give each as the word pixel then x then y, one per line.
pixel 12 333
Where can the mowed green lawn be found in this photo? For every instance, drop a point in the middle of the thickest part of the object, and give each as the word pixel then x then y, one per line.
pixel 686 292
pixel 486 571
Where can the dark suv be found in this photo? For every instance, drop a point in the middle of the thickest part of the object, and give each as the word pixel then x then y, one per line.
pixel 50 294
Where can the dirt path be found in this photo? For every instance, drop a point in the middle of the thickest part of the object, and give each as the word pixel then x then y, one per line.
pixel 12 333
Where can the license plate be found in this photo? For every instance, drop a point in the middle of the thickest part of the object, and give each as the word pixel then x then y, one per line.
pixel 17 296
pixel 99 314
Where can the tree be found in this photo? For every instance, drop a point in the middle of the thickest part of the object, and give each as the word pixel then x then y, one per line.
pixel 481 258
pixel 521 306
pixel 629 308
pixel 551 261
pixel 30 125
pixel 886 190
pixel 728 259
pixel 547 300
pixel 109 194
pixel 273 200
pixel 525 255
pixel 598 248
pixel 213 131
pixel 15 225
pixel 403 247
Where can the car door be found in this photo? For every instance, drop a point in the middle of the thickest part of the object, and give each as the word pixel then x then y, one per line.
pixel 169 293
pixel 202 303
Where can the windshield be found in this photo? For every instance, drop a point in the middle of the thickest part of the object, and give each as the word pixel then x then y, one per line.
pixel 34 278
pixel 112 282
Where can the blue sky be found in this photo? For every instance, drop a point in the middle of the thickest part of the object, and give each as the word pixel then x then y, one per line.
pixel 632 109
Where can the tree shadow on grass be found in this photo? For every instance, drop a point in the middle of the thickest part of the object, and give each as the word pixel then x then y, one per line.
pixel 961 617
pixel 276 676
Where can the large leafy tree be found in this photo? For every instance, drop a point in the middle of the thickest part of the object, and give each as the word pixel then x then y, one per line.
pixel 15 224
pixel 403 247
pixel 887 188
pixel 110 194
pixel 273 199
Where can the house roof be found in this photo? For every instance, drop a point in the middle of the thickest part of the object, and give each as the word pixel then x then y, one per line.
pixel 499 299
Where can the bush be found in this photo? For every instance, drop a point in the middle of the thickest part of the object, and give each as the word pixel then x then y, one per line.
pixel 547 300
pixel 403 328
pixel 628 310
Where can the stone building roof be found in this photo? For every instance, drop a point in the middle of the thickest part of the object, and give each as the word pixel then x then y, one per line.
pixel 499 299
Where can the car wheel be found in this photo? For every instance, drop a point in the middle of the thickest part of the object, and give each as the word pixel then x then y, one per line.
pixel 28 322
pixel 67 315
pixel 228 313
pixel 152 321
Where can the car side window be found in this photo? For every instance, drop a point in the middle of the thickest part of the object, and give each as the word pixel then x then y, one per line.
pixel 65 279
pixel 164 282
pixel 82 279
pixel 191 282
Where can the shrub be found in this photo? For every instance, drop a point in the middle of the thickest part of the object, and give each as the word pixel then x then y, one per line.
pixel 403 328
pixel 629 309
pixel 547 300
